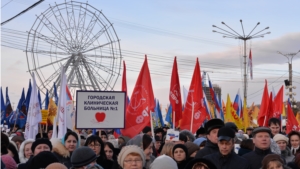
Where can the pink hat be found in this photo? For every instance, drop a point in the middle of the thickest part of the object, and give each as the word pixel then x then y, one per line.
pixel 9 162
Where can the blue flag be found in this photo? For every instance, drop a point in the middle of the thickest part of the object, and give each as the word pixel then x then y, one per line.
pixel 22 100
pixel 2 108
pixel 55 94
pixel 169 116
pixel 47 100
pixel 28 94
pixel 8 108
pixel 159 114
pixel 18 117
pixel 40 100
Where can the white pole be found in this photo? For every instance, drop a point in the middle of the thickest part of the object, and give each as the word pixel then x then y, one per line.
pixel 192 120
pixel 152 129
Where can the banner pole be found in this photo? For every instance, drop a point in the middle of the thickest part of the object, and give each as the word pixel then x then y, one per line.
pixel 173 120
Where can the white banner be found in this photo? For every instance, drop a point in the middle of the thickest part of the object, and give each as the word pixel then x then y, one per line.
pixel 100 109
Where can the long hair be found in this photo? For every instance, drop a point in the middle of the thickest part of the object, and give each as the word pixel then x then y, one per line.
pixel 14 150
pixel 111 146
pixel 94 139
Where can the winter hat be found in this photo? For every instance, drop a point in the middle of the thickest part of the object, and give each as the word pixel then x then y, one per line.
pixel 280 137
pixel 183 147
pixel 213 124
pixel 163 162
pixel 9 162
pixel 42 160
pixel 188 134
pixel 56 166
pixel 146 129
pixel 198 141
pixel 130 149
pixel 83 156
pixel 192 147
pixel 41 141
pixel 270 157
pixel 17 139
pixel 201 130
pixel 200 161
pixel 21 150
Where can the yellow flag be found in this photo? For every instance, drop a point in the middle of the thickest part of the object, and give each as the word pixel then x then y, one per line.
pixel 231 115
pixel 283 111
pixel 255 112
pixel 246 116
pixel 52 108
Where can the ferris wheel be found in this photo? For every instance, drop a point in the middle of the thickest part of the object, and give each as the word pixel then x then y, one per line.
pixel 80 38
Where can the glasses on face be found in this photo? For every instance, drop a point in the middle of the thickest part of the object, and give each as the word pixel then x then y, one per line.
pixel 133 161
pixel 94 145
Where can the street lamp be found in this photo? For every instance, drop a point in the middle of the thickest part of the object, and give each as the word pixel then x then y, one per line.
pixel 231 33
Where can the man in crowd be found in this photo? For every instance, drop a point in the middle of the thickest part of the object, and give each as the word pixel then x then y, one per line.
pixel 226 157
pixel 262 142
pixel 235 129
pixel 249 131
pixel 211 128
pixel 274 125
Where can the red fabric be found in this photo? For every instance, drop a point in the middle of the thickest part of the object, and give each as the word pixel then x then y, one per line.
pixel 175 94
pixel 141 103
pixel 195 96
pixel 278 103
pixel 263 106
pixel 291 123
pixel 270 111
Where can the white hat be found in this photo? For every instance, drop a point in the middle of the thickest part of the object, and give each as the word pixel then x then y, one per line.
pixel 280 137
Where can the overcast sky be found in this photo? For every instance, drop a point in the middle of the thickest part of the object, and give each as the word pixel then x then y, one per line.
pixel 164 29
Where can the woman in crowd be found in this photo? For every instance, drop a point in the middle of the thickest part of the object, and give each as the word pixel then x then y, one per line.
pixel 131 157
pixel 109 150
pixel 25 150
pixel 18 140
pixel 246 146
pixel 273 161
pixel 180 155
pixel 294 141
pixel 163 162
pixel 167 149
pixel 200 163
pixel 282 142
pixel 13 152
pixel 96 144
pixel 296 163
pixel 64 148
pixel 148 150
pixel 192 149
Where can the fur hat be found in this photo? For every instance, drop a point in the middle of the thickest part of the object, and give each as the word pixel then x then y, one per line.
pixel 163 162
pixel 213 124
pixel 22 157
pixel 280 137
pixel 130 149
pixel 40 141
pixel 83 156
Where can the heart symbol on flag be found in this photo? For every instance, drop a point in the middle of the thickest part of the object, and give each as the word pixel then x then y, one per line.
pixel 100 116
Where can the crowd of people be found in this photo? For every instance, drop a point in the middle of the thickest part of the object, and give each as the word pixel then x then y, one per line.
pixel 216 145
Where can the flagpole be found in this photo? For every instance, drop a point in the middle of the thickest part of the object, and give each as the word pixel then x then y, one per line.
pixel 173 120
pixel 151 122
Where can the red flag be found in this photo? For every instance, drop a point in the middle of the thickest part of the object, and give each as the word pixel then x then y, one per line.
pixel 278 103
pixel 141 103
pixel 270 111
pixel 194 112
pixel 291 123
pixel 263 106
pixel 175 94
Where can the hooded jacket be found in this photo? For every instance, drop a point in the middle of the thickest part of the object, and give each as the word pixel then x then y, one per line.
pixel 22 157
pixel 61 152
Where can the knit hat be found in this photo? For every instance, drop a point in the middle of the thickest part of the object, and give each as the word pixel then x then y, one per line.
pixel 198 141
pixel 270 157
pixel 9 162
pixel 200 161
pixel 130 149
pixel 56 166
pixel 183 147
pixel 163 162
pixel 192 147
pixel 42 160
pixel 41 141
pixel 83 156
pixel 280 137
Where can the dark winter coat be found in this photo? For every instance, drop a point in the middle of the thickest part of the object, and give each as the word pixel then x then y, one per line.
pixel 243 151
pixel 255 157
pixel 106 164
pixel 209 148
pixel 292 165
pixel 231 161
pixel 287 155
pixel 61 153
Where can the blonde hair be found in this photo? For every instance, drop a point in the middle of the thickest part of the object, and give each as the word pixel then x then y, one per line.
pixel 200 166
pixel 167 149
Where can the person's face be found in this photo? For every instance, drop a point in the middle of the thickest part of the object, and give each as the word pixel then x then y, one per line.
pixel 225 147
pixel 295 141
pixel 133 162
pixel 275 165
pixel 71 143
pixel 179 154
pixel 159 135
pixel 213 136
pixel 50 132
pixel 27 150
pixel 40 148
pixel 109 152
pixel 262 140
pixel 275 128
pixel 249 132
pixel 148 151
pixel 120 141
pixel 281 144
pixel 104 138
pixel 157 144
pixel 95 146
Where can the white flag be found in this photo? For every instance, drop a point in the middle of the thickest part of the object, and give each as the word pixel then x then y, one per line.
pixel 34 115
pixel 185 94
pixel 62 106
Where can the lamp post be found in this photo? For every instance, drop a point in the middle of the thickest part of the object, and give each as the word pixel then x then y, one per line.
pixel 289 85
pixel 231 33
